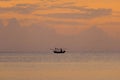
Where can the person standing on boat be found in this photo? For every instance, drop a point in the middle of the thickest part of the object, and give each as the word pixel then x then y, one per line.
pixel 61 50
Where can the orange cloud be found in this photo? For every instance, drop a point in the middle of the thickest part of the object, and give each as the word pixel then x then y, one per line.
pixel 66 16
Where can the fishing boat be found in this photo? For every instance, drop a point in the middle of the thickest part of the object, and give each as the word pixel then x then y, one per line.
pixel 58 51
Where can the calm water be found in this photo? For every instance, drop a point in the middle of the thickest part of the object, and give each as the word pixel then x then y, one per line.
pixel 51 57
pixel 69 66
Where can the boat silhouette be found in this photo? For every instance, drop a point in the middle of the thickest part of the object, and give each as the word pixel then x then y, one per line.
pixel 58 50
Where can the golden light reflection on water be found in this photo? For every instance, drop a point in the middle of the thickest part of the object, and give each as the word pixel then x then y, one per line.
pixel 60 71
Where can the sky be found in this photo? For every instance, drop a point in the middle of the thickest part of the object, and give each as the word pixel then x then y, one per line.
pixel 77 25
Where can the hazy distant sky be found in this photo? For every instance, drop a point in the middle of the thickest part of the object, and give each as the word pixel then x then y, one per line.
pixel 79 25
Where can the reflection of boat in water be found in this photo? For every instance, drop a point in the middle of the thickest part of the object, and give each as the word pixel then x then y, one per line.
pixel 58 50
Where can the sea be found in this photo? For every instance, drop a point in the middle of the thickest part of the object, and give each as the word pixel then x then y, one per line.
pixel 68 66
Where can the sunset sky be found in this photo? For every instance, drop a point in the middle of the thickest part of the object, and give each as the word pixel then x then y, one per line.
pixel 79 25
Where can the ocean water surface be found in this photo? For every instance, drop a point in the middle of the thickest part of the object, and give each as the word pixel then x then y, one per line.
pixel 68 66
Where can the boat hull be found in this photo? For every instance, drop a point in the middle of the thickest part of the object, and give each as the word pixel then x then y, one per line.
pixel 59 52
